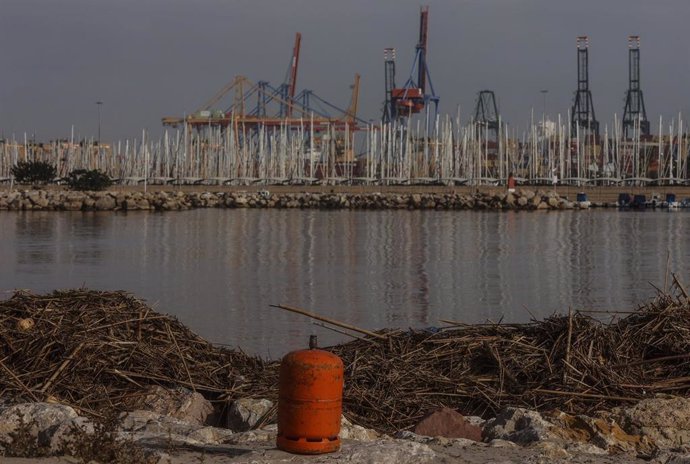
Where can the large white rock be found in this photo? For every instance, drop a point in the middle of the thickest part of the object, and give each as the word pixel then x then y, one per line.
pixel 149 428
pixel 49 425
pixel 180 403
pixel 245 413
pixel 664 420
pixel 350 431
pixel 41 416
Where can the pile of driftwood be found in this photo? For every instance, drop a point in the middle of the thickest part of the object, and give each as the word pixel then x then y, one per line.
pixel 573 363
pixel 95 350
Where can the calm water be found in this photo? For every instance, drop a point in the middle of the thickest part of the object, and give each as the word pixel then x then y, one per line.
pixel 218 270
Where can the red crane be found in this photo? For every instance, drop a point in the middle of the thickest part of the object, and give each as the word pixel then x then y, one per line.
pixel 292 83
pixel 412 97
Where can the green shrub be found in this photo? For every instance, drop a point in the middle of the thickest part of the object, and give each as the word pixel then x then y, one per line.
pixel 81 179
pixel 33 172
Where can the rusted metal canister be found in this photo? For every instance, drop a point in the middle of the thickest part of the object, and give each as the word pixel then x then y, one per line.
pixel 310 401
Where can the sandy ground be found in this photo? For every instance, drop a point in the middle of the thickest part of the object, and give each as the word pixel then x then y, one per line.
pixel 353 452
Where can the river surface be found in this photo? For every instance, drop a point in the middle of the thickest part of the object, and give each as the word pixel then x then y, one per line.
pixel 219 270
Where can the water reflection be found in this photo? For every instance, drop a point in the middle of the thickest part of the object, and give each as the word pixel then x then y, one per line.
pixel 219 271
pixel 35 239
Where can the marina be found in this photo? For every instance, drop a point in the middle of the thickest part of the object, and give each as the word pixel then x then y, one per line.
pixel 454 154
pixel 253 132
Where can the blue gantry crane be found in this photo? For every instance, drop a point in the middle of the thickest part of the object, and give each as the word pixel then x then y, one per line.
pixel 412 97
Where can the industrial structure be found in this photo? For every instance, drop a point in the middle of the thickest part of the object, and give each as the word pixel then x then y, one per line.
pixel 390 111
pixel 635 113
pixel 412 97
pixel 582 113
pixel 256 132
pixel 251 119
pixel 262 103
pixel 487 118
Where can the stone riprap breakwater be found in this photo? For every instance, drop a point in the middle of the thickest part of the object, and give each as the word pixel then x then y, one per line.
pixel 179 200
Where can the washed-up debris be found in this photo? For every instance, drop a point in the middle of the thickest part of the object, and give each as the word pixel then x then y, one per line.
pixel 574 363
pixel 96 351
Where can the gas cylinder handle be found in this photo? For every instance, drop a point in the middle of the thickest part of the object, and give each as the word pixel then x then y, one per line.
pixel 312 342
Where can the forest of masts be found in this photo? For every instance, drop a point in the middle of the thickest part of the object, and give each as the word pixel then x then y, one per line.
pixel 410 151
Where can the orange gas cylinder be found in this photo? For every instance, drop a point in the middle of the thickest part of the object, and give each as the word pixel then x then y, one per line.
pixel 310 401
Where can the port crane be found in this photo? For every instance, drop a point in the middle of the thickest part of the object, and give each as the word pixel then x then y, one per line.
pixel 260 103
pixel 634 112
pixel 412 97
pixel 290 86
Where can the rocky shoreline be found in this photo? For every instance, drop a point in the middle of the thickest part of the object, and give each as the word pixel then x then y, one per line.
pixel 179 426
pixel 59 200
pixel 97 376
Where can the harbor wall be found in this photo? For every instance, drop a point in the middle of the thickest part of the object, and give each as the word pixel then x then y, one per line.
pixel 598 195
pixel 121 200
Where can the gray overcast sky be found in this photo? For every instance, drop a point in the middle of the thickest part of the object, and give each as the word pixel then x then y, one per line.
pixel 149 58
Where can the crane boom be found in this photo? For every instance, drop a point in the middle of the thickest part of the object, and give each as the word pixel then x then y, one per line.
pixel 421 47
pixel 351 113
pixel 221 93
pixel 292 84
